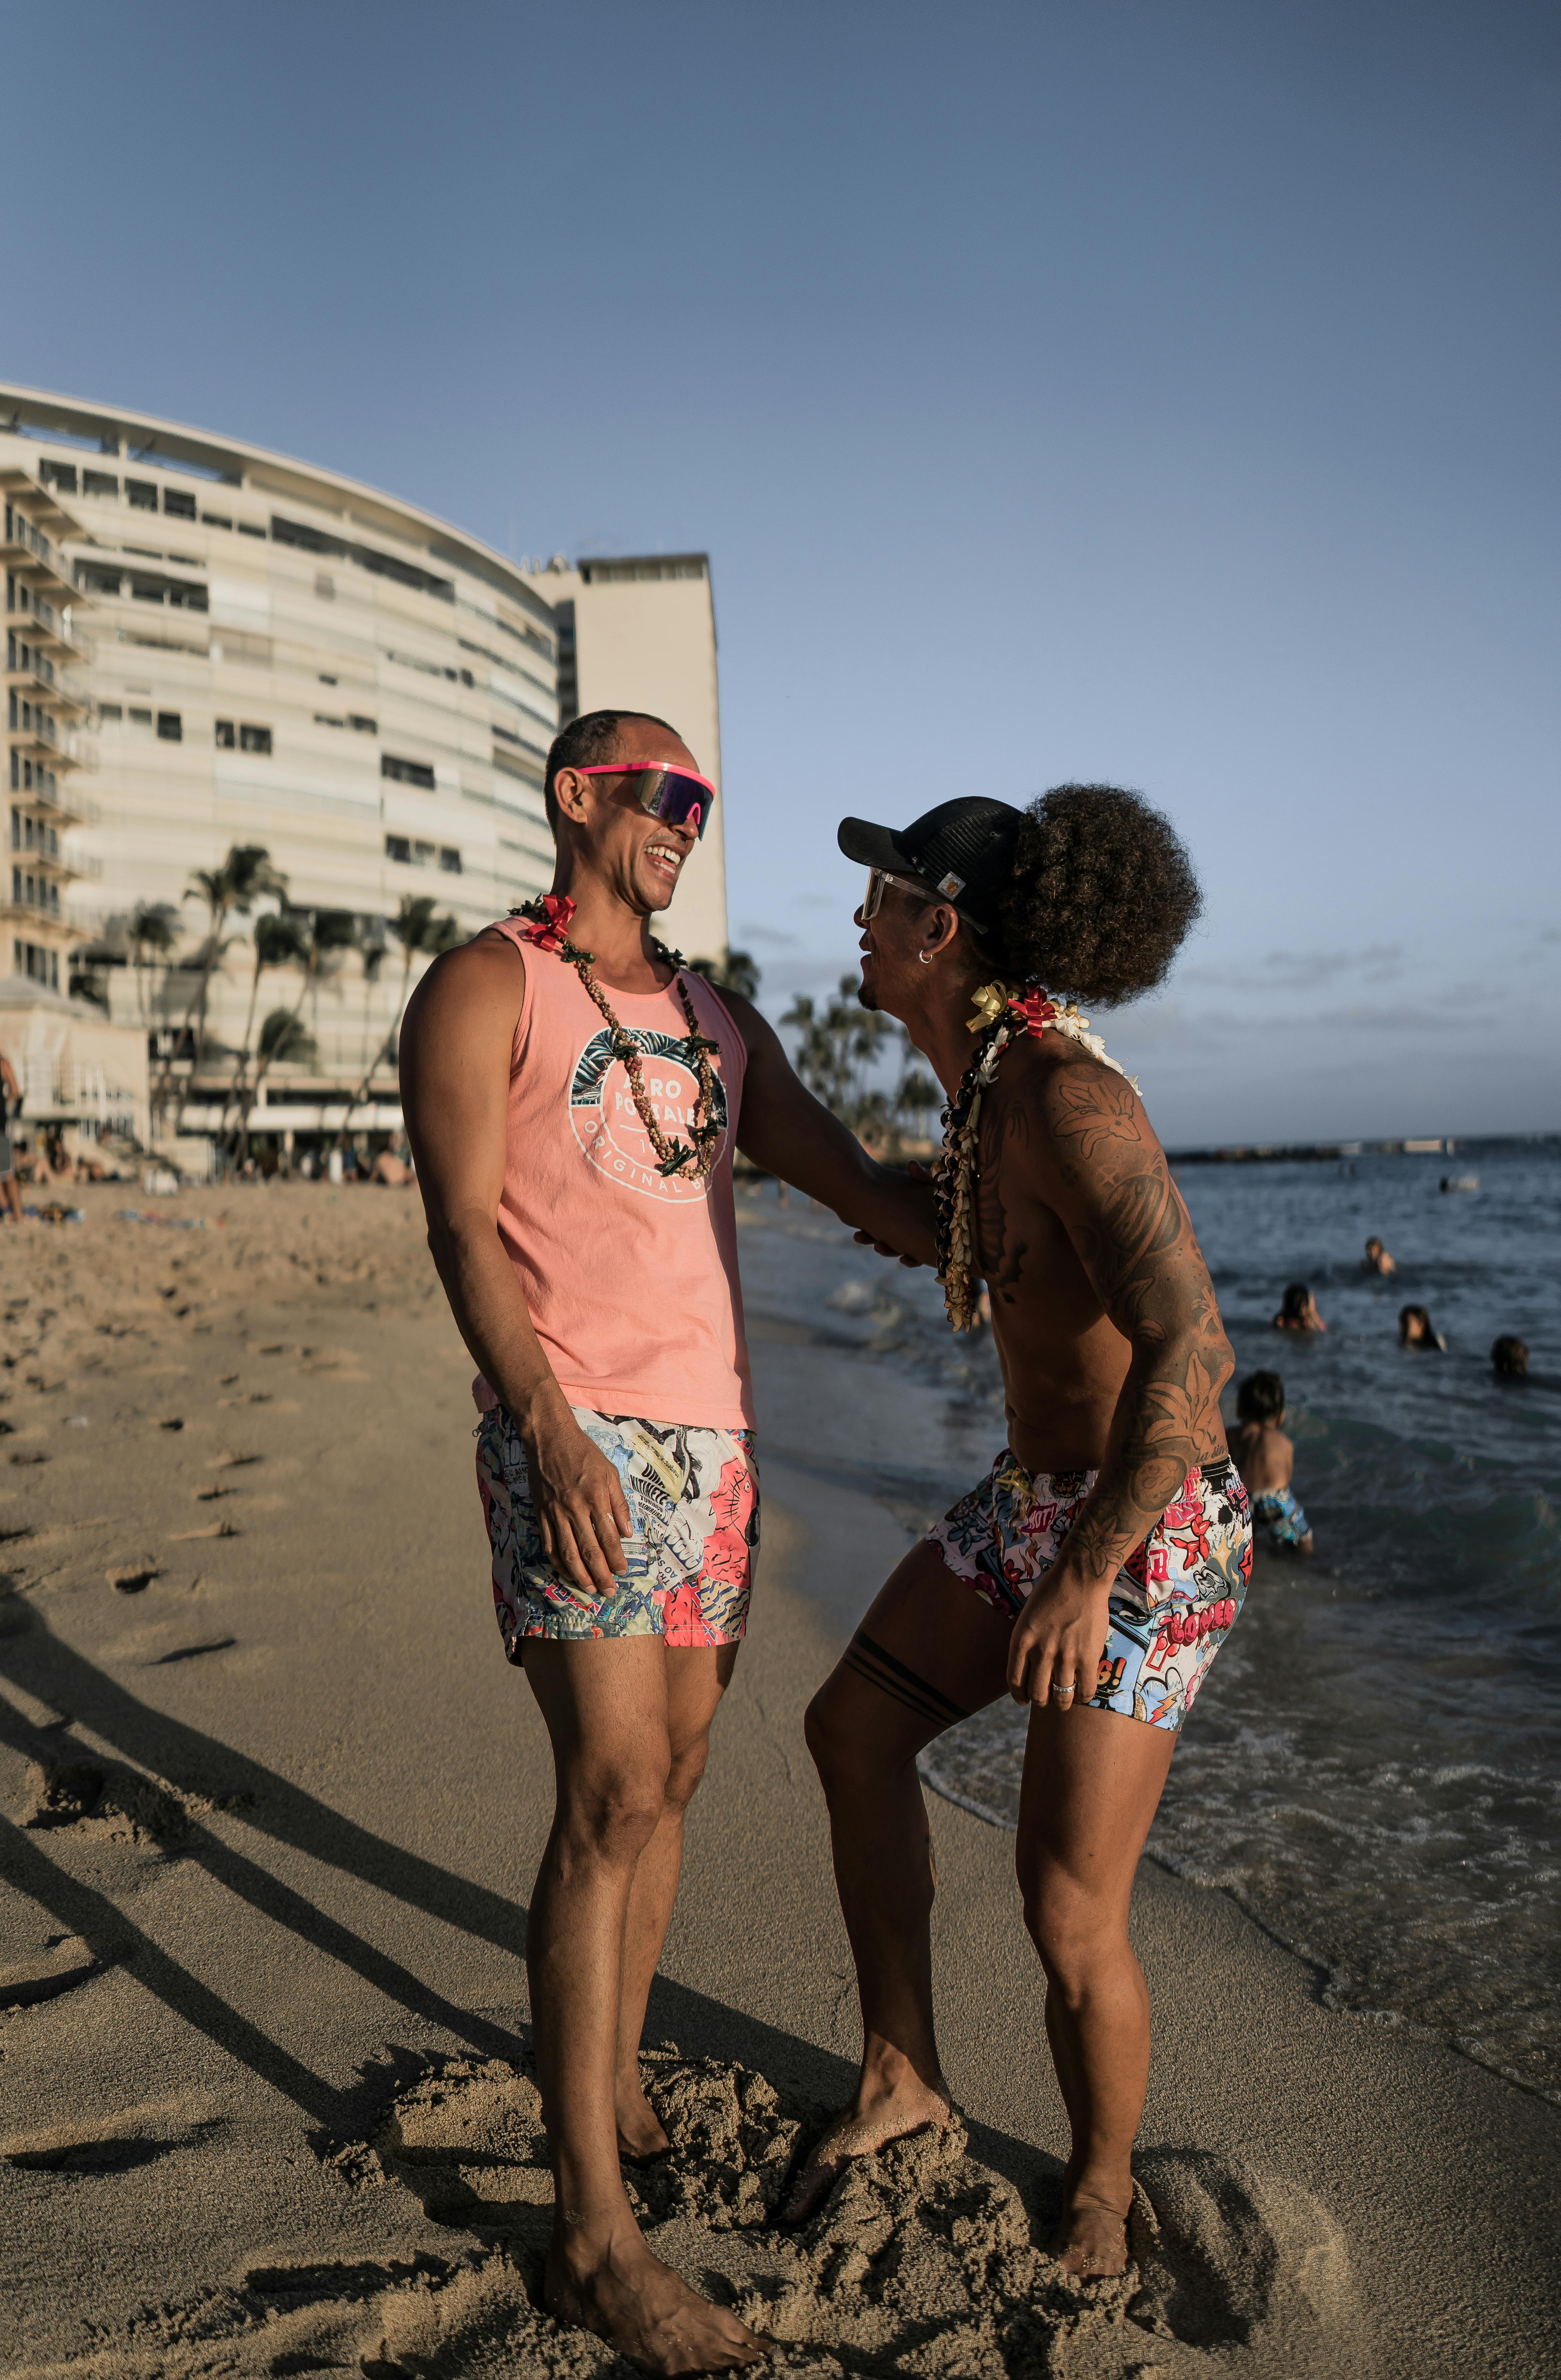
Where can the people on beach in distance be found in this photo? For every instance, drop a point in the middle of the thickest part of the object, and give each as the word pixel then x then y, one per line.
pixel 1267 1460
pixel 1377 1259
pixel 10 1100
pixel 1096 1571
pixel 1417 1330
pixel 573 1097
pixel 1298 1310
pixel 1509 1358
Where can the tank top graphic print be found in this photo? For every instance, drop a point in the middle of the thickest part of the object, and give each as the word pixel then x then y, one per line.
pixel 629 1276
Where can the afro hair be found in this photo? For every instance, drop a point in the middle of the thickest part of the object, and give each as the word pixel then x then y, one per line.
pixel 1100 898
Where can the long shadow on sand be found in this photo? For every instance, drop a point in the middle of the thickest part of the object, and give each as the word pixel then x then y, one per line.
pixel 200 1765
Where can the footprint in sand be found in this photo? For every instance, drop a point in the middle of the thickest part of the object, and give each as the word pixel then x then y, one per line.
pixel 138 2137
pixel 62 1964
pixel 218 1529
pixel 172 1421
pixel 132 1582
pixel 229 1461
pixel 24 1459
pixel 194 1652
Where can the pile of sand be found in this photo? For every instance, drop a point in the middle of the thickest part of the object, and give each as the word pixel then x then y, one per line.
pixel 920 2262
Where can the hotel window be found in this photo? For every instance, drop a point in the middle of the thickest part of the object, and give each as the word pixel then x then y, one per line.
pixel 140 719
pixel 423 855
pixel 397 847
pixel 228 735
pixel 364 727
pixel 179 501
pixel 100 483
pixel 58 475
pixel 110 714
pixel 143 494
pixel 407 772
pixel 254 739
pixel 170 726
pixel 217 520
pixel 449 860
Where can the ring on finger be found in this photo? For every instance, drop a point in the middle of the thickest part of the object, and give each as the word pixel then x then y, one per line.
pixel 1061 1694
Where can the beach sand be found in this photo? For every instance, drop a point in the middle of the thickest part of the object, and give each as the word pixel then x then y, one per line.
pixel 273 1803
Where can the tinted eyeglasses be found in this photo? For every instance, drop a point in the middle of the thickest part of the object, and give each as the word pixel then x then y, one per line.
pixel 676 795
pixel 878 879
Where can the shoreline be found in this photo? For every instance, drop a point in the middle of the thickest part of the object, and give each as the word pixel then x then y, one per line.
pixel 263 2098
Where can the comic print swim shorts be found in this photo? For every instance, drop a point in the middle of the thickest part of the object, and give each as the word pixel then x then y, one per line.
pixel 1175 1598
pixel 1278 1510
pixel 693 1495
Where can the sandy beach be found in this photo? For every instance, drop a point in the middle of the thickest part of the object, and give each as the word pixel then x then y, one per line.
pixel 273 1802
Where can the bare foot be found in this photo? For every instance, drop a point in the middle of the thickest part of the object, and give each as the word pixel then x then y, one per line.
pixel 870 2124
pixel 642 2134
pixel 646 2313
pixel 1091 2241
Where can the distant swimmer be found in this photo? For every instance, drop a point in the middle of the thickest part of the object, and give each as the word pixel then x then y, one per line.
pixel 1299 1311
pixel 1509 1358
pixel 1095 1570
pixel 1377 1259
pixel 1266 1458
pixel 1415 1329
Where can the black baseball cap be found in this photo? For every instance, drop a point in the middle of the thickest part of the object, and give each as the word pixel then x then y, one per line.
pixel 964 850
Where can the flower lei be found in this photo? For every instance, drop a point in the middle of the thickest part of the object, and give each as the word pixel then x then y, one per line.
pixel 1001 1012
pixel 547 928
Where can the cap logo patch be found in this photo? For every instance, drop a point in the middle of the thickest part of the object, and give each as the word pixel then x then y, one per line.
pixel 951 884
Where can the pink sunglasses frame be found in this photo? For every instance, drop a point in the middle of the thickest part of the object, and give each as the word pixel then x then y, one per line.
pixel 664 768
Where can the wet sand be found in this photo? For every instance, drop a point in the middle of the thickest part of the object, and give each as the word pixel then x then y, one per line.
pixel 273 1801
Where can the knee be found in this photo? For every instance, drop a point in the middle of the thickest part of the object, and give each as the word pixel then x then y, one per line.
pixel 612 1814
pixel 1070 1929
pixel 686 1768
pixel 828 1741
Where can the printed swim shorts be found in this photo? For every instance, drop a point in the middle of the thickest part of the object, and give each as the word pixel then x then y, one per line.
pixel 1278 1510
pixel 693 1495
pixel 1176 1596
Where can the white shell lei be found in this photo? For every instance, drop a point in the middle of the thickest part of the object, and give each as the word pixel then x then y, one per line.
pixel 1035 1014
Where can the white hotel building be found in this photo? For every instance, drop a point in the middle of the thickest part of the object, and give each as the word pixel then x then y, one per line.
pixel 210 644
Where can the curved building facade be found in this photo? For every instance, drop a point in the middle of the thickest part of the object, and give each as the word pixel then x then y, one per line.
pixel 250 651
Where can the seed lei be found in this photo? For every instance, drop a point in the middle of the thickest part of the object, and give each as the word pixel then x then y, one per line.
pixel 678 1161
pixel 954 1185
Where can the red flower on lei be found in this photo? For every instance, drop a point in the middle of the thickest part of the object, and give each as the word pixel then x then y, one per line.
pixel 550 931
pixel 1037 1009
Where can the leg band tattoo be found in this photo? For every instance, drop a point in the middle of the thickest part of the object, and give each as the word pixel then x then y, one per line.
pixel 870 1660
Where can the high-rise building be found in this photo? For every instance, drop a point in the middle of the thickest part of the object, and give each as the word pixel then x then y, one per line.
pixel 638 631
pixel 307 668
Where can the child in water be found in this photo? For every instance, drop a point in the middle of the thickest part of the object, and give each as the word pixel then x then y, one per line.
pixel 1265 1458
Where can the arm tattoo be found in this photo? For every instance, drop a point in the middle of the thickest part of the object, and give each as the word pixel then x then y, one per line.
pixel 1135 1238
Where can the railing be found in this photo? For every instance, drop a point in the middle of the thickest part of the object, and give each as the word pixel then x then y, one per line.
pixel 50 1088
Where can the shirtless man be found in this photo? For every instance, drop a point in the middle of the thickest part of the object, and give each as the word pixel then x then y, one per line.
pixel 1097 1568
pixel 572 1100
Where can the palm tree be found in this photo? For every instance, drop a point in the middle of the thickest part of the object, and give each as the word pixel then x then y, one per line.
pixel 244 877
pixel 330 931
pixel 421 935
pixel 279 940
pixel 151 929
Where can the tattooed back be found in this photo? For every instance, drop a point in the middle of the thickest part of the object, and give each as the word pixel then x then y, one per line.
pixel 1094 1273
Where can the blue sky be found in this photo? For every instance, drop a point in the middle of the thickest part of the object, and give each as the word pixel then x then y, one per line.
pixel 1155 392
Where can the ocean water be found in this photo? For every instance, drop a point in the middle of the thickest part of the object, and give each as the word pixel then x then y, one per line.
pixel 1373 1768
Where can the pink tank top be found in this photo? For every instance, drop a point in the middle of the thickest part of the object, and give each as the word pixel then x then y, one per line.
pixel 630 1278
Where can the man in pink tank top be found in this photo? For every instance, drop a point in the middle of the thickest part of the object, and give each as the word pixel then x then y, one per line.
pixel 573 1098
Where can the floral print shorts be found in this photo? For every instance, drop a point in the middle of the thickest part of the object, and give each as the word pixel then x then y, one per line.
pixel 693 1495
pixel 1176 1596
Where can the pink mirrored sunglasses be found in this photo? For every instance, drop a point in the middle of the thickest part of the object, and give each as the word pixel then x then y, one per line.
pixel 678 797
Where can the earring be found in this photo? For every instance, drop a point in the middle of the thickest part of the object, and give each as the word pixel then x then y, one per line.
pixel 925 957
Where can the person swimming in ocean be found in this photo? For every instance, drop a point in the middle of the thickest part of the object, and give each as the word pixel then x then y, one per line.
pixel 1377 1258
pixel 1415 1329
pixel 1298 1310
pixel 1267 1460
pixel 1509 1358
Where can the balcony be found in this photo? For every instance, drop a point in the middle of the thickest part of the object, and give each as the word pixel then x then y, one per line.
pixel 38 795
pixel 36 683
